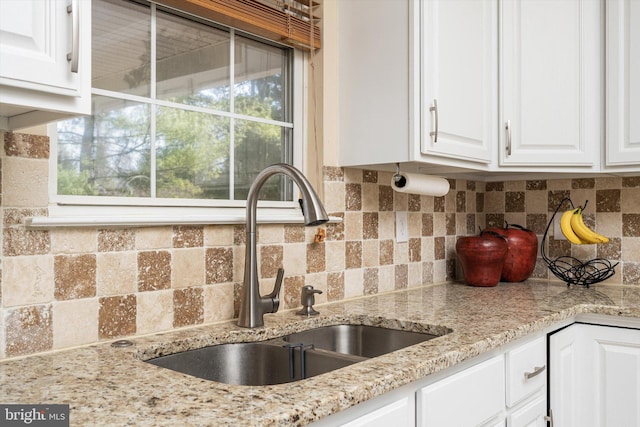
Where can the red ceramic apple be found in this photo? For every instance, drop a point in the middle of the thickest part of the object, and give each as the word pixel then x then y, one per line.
pixel 523 251
pixel 482 258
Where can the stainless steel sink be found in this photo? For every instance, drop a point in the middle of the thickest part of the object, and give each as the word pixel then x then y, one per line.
pixel 292 357
pixel 259 363
pixel 359 340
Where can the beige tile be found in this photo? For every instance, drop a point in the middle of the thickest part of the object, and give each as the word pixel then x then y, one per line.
pixel 536 202
pixel 386 225
pixel 154 238
pixel 609 224
pixel 295 258
pixel 353 283
pixel 427 249
pixel 415 224
pixel 25 182
pixel 335 255
pixel 415 274
pixel 631 249
pixel 400 201
pixel 608 182
pixel 116 273
pixel 370 197
pixel 188 267
pixel 630 200
pixel 439 224
pixel 334 196
pixel 494 201
pixel 515 185
pixel 218 235
pixel 73 241
pixel 218 302
pixel 581 195
pixel 519 218
pixel 558 184
pixel 271 234
pixel 353 225
pixel 353 175
pixel 155 311
pixel 386 278
pixel 67 315
pixel 370 253
pixel 439 271
pixel 401 253
pixel 27 280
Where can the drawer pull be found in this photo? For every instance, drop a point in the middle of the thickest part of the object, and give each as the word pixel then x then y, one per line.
pixel 536 371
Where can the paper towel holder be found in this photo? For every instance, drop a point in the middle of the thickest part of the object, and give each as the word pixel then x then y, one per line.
pixel 397 177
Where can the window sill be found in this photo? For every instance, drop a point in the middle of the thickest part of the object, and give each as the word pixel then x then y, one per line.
pixel 168 217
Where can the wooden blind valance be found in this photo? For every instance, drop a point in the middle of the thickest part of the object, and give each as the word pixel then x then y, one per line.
pixel 292 22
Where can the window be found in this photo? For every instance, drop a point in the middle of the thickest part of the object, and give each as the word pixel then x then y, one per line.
pixel 185 113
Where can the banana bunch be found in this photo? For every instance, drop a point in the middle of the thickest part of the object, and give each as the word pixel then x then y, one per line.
pixel 575 230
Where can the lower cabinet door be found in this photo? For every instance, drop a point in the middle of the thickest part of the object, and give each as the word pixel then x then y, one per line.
pixel 469 398
pixel 395 414
pixel 595 376
pixel 532 414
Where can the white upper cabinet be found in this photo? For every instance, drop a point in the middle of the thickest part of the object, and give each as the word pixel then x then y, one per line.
pixel 395 58
pixel 45 64
pixel 623 83
pixel 459 78
pixel 551 108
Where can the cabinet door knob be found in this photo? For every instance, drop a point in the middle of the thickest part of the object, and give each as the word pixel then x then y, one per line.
pixel 434 109
pixel 537 370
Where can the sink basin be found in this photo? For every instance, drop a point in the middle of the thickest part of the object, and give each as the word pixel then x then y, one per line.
pixel 359 340
pixel 292 357
pixel 260 363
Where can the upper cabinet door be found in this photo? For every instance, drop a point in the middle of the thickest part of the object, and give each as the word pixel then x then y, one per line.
pixel 459 78
pixel 623 82
pixel 45 64
pixel 550 92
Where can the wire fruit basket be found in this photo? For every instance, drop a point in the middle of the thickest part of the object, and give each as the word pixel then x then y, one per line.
pixel 571 270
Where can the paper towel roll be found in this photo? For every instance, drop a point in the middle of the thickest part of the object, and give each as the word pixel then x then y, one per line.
pixel 427 185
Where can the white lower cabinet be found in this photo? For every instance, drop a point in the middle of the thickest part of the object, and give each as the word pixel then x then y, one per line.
pixel 532 414
pixel 398 413
pixel 478 392
pixel 595 376
pixel 507 387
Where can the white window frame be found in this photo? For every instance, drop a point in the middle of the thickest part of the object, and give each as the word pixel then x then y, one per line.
pixel 79 211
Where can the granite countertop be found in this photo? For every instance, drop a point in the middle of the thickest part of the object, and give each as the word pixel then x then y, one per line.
pixel 105 385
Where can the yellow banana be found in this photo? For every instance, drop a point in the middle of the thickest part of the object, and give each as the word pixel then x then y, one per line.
pixel 582 231
pixel 567 230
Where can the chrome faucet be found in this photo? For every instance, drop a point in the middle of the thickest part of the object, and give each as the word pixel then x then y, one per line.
pixel 253 306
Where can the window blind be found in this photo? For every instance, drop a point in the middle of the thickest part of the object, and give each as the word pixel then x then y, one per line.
pixel 291 22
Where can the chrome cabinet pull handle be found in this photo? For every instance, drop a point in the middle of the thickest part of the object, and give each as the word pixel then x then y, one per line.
pixel 434 109
pixel 537 370
pixel 72 56
pixel 508 129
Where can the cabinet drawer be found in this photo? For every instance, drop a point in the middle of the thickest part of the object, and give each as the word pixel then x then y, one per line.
pixel 526 370
pixel 468 398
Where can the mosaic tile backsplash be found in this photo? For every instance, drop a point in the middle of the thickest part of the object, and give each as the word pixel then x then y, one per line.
pixel 67 287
